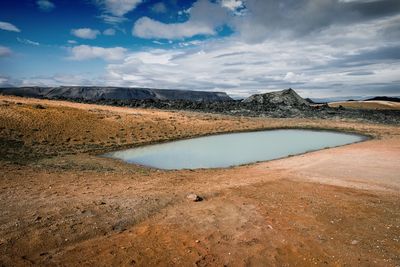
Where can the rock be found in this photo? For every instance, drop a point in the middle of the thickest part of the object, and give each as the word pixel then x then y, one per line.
pixel 38 106
pixel 283 104
pixel 286 97
pixel 95 93
pixel 354 242
pixel 194 197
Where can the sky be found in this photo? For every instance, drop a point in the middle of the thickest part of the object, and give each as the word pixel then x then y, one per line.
pixel 320 48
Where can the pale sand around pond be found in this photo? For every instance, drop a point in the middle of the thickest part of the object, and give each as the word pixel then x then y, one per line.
pixel 64 205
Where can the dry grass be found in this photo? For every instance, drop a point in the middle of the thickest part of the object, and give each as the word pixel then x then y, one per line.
pixel 376 105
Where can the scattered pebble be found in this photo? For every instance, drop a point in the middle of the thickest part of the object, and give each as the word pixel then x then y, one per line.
pixel 194 197
pixel 354 242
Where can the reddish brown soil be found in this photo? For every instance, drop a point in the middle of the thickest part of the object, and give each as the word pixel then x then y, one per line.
pixel 63 205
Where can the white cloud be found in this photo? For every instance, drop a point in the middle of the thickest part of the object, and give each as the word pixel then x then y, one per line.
pixel 85 33
pixel 45 5
pixel 232 4
pixel 204 18
pixel 85 52
pixel 72 42
pixel 317 66
pixel 293 77
pixel 113 20
pixel 109 32
pixel 159 7
pixel 118 7
pixel 320 48
pixel 27 41
pixel 148 28
pixel 8 27
pixel 5 51
pixel 59 79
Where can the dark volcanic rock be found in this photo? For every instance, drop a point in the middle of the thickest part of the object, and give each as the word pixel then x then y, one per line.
pixel 283 104
pixel 113 93
pixel 384 98
pixel 310 101
pixel 286 97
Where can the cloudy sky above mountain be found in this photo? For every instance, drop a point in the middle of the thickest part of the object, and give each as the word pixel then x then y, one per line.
pixel 321 48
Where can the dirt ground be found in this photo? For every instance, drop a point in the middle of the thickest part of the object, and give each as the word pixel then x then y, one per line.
pixel 63 205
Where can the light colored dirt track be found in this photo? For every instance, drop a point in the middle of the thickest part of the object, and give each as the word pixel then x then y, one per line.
pixel 63 205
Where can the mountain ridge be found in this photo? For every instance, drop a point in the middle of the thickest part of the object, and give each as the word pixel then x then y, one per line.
pixel 94 93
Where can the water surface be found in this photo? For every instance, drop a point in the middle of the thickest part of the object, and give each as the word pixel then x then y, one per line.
pixel 227 150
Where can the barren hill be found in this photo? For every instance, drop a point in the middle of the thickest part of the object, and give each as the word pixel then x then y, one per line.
pixel 286 97
pixel 113 93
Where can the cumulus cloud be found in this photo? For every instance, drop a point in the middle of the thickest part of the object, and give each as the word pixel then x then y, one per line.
pixel 6 26
pixel 342 60
pixel 118 7
pixel 295 19
pixel 45 5
pixel 204 18
pixel 148 28
pixel 109 32
pixel 320 48
pixel 85 33
pixel 232 4
pixel 86 52
pixel 5 51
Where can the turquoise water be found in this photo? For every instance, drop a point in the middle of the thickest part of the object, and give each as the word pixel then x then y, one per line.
pixel 232 149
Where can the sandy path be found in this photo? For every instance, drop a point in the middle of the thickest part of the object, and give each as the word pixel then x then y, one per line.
pixel 372 164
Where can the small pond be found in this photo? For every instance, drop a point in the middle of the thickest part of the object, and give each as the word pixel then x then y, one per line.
pixel 232 149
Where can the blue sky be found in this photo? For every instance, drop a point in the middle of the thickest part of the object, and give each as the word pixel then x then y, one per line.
pixel 320 48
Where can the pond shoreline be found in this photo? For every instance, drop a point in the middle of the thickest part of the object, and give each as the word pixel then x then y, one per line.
pixel 128 155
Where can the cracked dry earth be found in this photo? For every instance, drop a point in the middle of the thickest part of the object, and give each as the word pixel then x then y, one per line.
pixel 63 205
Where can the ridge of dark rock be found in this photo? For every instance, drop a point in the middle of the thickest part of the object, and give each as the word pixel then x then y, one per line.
pixel 384 98
pixel 282 104
pixel 93 93
pixel 287 97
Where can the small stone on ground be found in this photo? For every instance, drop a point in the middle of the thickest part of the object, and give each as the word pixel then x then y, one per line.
pixel 194 197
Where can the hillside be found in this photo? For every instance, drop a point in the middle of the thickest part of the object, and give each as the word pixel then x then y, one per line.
pixel 113 93
pixel 63 205
pixel 286 97
pixel 384 98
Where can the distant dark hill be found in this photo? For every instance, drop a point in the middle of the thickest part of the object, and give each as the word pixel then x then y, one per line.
pixel 383 98
pixel 309 100
pixel 113 93
pixel 288 98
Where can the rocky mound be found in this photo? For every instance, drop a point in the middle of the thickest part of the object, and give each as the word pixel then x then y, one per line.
pixel 284 98
pixel 113 93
